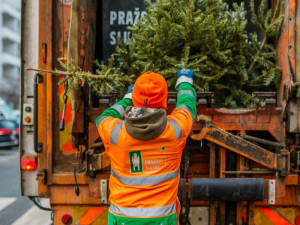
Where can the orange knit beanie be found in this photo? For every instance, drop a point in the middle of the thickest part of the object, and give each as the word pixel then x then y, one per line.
pixel 150 91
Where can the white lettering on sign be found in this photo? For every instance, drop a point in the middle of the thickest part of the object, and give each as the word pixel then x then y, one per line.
pixel 136 15
pixel 113 17
pixel 121 18
pixel 129 18
pixel 125 17
pixel 114 35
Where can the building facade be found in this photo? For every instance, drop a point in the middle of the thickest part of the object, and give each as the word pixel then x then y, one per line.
pixel 10 20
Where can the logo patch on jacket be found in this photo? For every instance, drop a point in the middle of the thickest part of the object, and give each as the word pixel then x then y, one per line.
pixel 136 162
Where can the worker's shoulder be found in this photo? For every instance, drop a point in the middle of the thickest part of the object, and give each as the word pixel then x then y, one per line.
pixel 107 121
pixel 179 117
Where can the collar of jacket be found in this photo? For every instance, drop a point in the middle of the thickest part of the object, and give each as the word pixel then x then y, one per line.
pixel 146 127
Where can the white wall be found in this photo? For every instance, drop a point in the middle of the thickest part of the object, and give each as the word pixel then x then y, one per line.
pixel 10 11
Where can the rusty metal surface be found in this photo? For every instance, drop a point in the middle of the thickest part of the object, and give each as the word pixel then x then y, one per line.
pixel 66 194
pixel 62 160
pixel 212 171
pixel 45 94
pixel 87 33
pixel 87 11
pixel 265 116
pixel 242 147
pixel 242 165
pixel 257 119
pixel 280 187
pixel 94 185
pixel 222 168
pixel 286 53
pixel 250 213
pixel 95 162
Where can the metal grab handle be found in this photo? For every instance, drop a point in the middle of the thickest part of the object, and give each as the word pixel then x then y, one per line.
pixel 37 79
pixel 62 122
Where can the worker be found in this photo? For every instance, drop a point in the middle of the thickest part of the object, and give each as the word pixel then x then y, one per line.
pixel 145 147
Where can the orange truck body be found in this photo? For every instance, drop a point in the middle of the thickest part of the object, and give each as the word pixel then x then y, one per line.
pixel 216 149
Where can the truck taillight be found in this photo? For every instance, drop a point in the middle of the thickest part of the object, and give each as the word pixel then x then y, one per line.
pixel 28 162
pixel 297 220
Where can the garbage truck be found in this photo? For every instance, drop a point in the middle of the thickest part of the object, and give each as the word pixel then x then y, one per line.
pixel 240 166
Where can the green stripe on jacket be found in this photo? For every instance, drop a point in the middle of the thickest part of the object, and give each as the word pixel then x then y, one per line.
pixel 113 112
pixel 165 220
pixel 187 99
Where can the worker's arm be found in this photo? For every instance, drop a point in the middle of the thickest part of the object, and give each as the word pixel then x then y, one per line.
pixel 185 111
pixel 111 117
pixel 118 109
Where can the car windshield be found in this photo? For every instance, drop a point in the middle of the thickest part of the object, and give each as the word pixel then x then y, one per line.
pixel 8 124
pixel 6 111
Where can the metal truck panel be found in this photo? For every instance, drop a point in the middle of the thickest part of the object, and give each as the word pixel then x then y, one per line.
pixel 29 56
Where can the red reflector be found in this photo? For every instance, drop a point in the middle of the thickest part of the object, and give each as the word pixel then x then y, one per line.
pixel 297 221
pixel 28 162
pixel 5 131
pixel 66 219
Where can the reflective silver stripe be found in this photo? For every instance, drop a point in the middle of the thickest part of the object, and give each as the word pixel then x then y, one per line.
pixel 101 119
pixel 150 180
pixel 129 95
pixel 115 133
pixel 143 212
pixel 176 128
pixel 186 108
pixel 183 79
pixel 119 108
pixel 186 92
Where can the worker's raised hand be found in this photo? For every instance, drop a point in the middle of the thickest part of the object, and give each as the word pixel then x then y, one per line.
pixel 186 72
pixel 129 92
pixel 184 76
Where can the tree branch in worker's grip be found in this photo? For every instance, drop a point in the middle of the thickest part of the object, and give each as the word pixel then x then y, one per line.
pixel 106 79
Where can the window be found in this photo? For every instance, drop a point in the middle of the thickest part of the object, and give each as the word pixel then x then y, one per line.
pixel 10 22
pixel 9 72
pixel 10 47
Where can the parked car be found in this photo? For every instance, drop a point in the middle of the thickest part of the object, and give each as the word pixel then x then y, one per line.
pixel 14 124
pixel 9 133
pixel 16 113
pixel 6 111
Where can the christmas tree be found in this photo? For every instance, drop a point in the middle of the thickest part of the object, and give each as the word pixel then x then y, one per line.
pixel 210 39
pixel 202 35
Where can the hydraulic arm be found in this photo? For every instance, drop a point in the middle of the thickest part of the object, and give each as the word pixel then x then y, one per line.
pixel 279 162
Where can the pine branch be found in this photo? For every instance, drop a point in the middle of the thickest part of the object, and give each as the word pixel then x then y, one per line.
pixel 250 69
pixel 79 74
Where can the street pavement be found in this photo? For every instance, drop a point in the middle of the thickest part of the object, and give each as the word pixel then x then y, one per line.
pixel 14 208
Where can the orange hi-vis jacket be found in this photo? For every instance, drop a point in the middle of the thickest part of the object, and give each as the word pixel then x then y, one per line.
pixel 145 173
